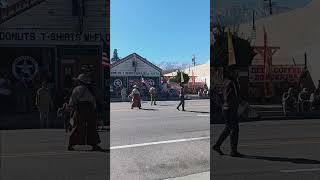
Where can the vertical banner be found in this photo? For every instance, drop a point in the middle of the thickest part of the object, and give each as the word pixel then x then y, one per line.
pixel 182 79
pixel 267 66
pixel 231 55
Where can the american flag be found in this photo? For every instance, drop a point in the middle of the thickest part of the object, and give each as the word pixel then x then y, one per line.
pixel 105 59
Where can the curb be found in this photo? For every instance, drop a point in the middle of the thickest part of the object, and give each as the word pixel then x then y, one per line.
pixel 198 176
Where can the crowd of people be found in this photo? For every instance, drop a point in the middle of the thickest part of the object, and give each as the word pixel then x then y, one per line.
pixel 304 101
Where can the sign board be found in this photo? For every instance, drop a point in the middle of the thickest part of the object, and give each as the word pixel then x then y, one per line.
pixel 37 37
pixel 130 73
pixel 278 73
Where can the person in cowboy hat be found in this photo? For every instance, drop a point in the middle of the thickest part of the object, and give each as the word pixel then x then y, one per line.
pixel 231 101
pixel 83 101
pixel 135 95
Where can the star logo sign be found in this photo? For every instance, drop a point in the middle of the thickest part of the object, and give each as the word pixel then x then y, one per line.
pixel 25 67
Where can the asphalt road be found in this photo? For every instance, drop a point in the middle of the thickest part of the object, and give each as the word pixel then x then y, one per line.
pixel 159 142
pixel 277 150
pixel 42 155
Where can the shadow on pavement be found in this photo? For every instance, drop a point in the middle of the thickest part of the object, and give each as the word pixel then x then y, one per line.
pixel 145 109
pixel 203 112
pixel 283 159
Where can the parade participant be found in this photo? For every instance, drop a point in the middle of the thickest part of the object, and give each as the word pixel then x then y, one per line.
pixel 135 95
pixel 289 101
pixel 43 103
pixel 182 93
pixel 124 94
pixel 231 102
pixel 83 102
pixel 153 93
pixel 304 100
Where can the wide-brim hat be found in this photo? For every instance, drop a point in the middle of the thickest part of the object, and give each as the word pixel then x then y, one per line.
pixel 83 78
pixel 135 86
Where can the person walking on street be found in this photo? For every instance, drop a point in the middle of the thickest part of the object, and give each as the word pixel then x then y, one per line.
pixel 231 101
pixel 153 93
pixel 124 94
pixel 136 99
pixel 43 102
pixel 83 102
pixel 182 93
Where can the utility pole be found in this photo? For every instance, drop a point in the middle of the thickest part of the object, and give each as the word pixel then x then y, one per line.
pixel 253 20
pixel 305 60
pixel 270 5
pixel 194 60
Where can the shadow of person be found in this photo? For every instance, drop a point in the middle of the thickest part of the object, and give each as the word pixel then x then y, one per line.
pixel 283 159
pixel 202 112
pixel 145 109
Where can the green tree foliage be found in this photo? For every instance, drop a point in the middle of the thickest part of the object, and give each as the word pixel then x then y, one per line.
pixel 244 53
pixel 177 78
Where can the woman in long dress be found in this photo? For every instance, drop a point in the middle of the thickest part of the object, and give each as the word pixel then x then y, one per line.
pixel 83 102
pixel 135 95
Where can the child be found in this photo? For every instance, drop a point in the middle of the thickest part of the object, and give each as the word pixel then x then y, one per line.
pixel 63 114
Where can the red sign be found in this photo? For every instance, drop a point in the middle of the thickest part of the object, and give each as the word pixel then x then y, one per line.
pixel 278 73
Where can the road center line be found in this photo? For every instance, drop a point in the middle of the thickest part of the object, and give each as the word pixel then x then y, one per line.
pixel 159 142
pixel 300 170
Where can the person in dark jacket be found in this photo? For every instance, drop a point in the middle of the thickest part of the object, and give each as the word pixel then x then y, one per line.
pixel 231 101
pixel 181 98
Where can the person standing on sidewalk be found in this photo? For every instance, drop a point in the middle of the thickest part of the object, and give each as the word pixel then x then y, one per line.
pixel 153 93
pixel 181 94
pixel 231 101
pixel 43 102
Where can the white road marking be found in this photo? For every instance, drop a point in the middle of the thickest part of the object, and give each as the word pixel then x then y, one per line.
pixel 203 115
pixel 300 170
pixel 159 142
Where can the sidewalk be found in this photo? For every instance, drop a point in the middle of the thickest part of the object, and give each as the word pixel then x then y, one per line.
pixel 199 176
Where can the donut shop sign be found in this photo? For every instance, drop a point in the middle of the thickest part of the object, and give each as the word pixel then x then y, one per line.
pixel 278 73
pixel 50 36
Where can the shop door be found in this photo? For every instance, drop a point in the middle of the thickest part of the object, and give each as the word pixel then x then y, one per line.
pixel 69 70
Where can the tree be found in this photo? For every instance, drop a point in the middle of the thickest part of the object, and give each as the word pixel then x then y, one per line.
pixel 177 78
pixel 115 56
pixel 244 52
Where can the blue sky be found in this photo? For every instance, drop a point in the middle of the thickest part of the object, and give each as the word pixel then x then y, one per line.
pixel 161 30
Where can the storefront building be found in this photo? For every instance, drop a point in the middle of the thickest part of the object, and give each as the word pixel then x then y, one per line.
pixel 134 70
pixel 52 41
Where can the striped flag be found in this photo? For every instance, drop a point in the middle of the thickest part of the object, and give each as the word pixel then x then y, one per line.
pixel 105 59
